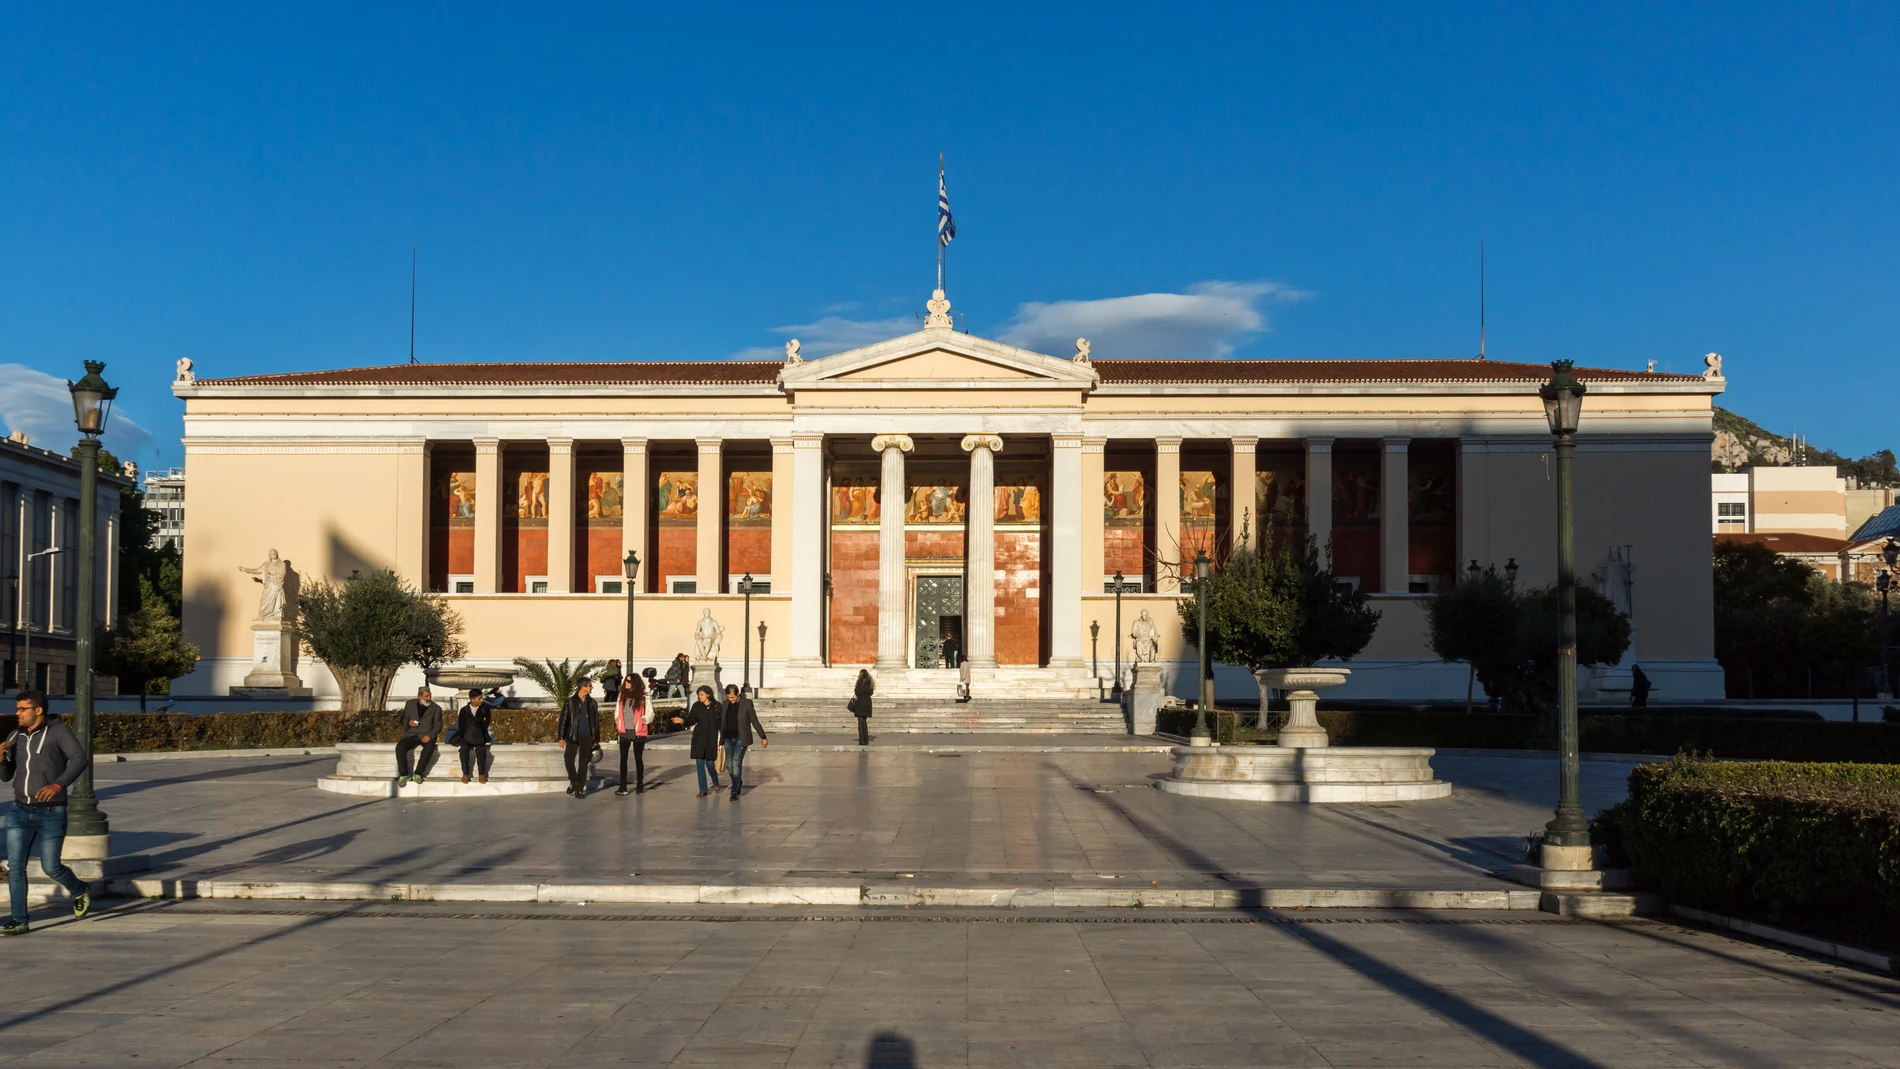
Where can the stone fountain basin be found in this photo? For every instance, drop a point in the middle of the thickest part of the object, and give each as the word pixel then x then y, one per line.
pixel 1300 774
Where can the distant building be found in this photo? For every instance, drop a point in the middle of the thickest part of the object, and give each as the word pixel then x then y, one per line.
pixel 39 509
pixel 1807 500
pixel 165 498
pixel 1864 503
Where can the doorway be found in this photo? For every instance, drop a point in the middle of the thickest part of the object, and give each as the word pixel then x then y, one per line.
pixel 939 616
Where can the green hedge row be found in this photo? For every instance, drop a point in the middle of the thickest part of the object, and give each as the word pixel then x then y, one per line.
pixel 1809 846
pixel 143 732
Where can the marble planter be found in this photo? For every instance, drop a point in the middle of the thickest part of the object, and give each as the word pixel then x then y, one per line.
pixel 1292 774
pixel 369 769
pixel 1302 728
pixel 462 678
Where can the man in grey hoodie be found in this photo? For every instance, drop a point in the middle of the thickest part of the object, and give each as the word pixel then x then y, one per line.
pixel 41 759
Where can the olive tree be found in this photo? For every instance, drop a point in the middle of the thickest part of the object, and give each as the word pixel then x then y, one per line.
pixel 369 626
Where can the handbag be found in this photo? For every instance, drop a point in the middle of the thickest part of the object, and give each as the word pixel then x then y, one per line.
pixel 854 707
pixel 719 760
pixel 597 757
pixel 453 736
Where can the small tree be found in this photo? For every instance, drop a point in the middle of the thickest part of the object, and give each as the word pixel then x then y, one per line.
pixel 1510 638
pixel 1478 622
pixel 146 647
pixel 367 627
pixel 560 680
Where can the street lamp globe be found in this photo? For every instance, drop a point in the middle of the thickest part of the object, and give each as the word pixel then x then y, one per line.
pixel 1201 563
pixel 92 400
pixel 631 567
pixel 1563 399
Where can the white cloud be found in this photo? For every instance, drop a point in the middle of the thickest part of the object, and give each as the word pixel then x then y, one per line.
pixel 833 334
pixel 39 404
pixel 1206 322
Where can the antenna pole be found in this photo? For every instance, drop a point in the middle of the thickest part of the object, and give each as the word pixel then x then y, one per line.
pixel 1481 298
pixel 412 304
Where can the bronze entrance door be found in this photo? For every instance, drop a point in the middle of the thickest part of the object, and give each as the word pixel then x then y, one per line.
pixel 939 617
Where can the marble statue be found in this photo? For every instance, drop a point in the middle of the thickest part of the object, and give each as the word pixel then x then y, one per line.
pixel 1147 639
pixel 791 352
pixel 184 370
pixel 1714 363
pixel 1081 350
pixel 271 573
pixel 130 469
pixel 706 638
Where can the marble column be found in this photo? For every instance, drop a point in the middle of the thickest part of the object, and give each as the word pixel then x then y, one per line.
pixel 1241 497
pixel 1474 528
pixel 806 503
pixel 979 552
pixel 1395 540
pixel 1319 496
pixel 709 567
pixel 1065 553
pixel 636 490
pixel 1166 496
pixel 1093 525
pixel 893 619
pixel 784 488
pixel 487 515
pixel 412 512
pixel 561 517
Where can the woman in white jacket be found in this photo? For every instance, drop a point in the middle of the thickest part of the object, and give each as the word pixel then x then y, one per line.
pixel 633 718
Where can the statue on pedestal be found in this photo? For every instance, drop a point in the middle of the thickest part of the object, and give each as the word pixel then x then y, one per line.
pixel 706 637
pixel 271 573
pixel 1147 639
pixel 273 635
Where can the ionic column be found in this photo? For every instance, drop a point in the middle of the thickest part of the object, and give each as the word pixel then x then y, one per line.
pixel 560 515
pixel 1241 496
pixel 784 488
pixel 1065 553
pixel 487 515
pixel 1474 541
pixel 1093 526
pixel 635 492
pixel 1395 562
pixel 892 619
pixel 412 512
pixel 1166 494
pixel 806 503
pixel 979 552
pixel 708 569
pixel 1319 496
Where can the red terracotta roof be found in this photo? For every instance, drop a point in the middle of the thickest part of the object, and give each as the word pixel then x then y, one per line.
pixel 1355 371
pixel 601 373
pixel 1785 541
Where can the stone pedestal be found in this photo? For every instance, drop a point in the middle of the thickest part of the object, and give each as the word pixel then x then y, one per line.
pixel 273 664
pixel 1144 699
pixel 705 674
pixel 1288 774
pixel 90 858
pixel 1302 730
pixel 369 769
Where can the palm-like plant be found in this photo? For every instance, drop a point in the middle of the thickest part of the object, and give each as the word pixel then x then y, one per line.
pixel 559 680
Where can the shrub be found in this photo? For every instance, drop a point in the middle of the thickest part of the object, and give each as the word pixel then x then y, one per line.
pixel 1223 723
pixel 368 626
pixel 1812 846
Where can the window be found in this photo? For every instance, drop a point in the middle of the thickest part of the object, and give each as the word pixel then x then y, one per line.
pixel 679 585
pixel 607 584
pixel 461 584
pixel 537 584
pixel 761 584
pixel 1422 584
pixel 1130 584
pixel 1731 512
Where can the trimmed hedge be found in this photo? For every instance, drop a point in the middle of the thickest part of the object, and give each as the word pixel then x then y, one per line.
pixel 146 732
pixel 1224 724
pixel 1809 846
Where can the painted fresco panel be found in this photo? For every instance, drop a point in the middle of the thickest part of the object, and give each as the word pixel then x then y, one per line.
pixel 937 503
pixel 1124 499
pixel 676 498
pixel 604 489
pixel 1356 496
pixel 854 500
pixel 749 498
pixel 1279 499
pixel 1018 500
pixel 531 496
pixel 456 491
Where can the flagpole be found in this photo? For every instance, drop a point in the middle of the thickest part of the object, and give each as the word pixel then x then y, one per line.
pixel 940 235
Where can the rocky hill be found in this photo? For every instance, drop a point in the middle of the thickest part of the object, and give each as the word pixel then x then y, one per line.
pixel 1741 442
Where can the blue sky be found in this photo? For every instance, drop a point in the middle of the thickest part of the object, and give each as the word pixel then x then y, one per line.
pixel 242 185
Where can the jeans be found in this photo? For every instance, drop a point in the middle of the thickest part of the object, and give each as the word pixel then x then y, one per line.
pixel 638 745
pixel 735 764
pixel 706 768
pixel 478 757
pixel 406 763
pixel 578 756
pixel 47 824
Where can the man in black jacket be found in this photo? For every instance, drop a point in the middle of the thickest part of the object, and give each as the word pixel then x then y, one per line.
pixel 42 760
pixel 579 732
pixel 471 735
pixel 740 721
pixel 421 727
pixel 679 675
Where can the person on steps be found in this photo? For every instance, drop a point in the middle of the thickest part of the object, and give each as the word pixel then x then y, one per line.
pixel 579 732
pixel 708 722
pixel 860 705
pixel 421 727
pixel 472 735
pixel 633 718
pixel 737 727
pixel 42 759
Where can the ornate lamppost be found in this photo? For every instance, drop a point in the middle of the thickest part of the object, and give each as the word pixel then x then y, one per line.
pixel 1201 736
pixel 761 654
pixel 1563 407
pixel 92 403
pixel 745 681
pixel 630 567
pixel 1118 633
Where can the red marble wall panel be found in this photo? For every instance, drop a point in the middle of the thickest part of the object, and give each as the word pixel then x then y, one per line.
pixel 677 550
pixel 1124 550
pixel 853 625
pixel 942 544
pixel 1019 595
pixel 749 549
pixel 601 553
pixel 1356 552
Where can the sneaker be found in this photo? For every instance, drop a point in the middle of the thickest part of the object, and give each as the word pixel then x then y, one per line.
pixel 82 904
pixel 703 794
pixel 735 796
pixel 580 792
pixel 620 792
pixel 570 789
pixel 14 928
pixel 401 782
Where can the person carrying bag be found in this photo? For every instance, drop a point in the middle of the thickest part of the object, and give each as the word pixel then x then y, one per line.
pixel 579 731
pixel 860 705
pixel 633 719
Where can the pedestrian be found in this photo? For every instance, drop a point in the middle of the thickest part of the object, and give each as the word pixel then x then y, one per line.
pixel 633 718
pixel 708 724
pixel 963 680
pixel 579 732
pixel 1639 687
pixel 42 751
pixel 739 723
pixel 860 705
pixel 679 675
pixel 610 682
pixel 473 736
pixel 421 727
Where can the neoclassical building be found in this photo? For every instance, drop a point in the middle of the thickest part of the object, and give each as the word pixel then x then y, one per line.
pixel 933 495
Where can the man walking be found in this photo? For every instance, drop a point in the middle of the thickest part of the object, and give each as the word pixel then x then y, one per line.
pixel 421 727
pixel 579 732
pixel 1639 687
pixel 707 720
pixel 741 720
pixel 610 682
pixel 42 760
pixel 679 675
pixel 471 735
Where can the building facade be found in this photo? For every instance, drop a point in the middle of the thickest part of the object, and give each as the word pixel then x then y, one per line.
pixel 933 496
pixel 39 511
pixel 164 498
pixel 1788 500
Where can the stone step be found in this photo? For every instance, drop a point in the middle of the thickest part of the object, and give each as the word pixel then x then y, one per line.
pixel 1047 716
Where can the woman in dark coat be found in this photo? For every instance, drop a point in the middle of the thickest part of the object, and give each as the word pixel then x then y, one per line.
pixel 861 705
pixel 707 719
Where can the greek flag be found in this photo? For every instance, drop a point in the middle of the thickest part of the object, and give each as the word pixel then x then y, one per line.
pixel 946 226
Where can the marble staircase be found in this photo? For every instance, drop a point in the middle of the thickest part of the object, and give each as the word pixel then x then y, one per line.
pixel 1068 716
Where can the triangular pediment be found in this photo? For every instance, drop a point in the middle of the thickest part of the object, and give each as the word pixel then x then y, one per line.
pixel 937 358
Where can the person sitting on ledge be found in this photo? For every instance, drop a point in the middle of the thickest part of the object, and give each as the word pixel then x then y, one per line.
pixel 421 727
pixel 472 735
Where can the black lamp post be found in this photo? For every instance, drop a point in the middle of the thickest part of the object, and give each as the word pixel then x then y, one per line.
pixel 1510 572
pixel 1095 647
pixel 630 567
pixel 92 403
pixel 1891 554
pixel 1201 736
pixel 1563 406
pixel 1118 633
pixel 745 681
pixel 761 654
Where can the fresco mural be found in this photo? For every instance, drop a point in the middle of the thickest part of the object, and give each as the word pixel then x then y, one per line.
pixel 1280 494
pixel 749 498
pixel 1430 491
pixel 603 495
pixel 854 500
pixel 1355 489
pixel 1197 497
pixel 1124 498
pixel 1018 502
pixel 531 495
pixel 940 504
pixel 457 488
pixel 676 496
